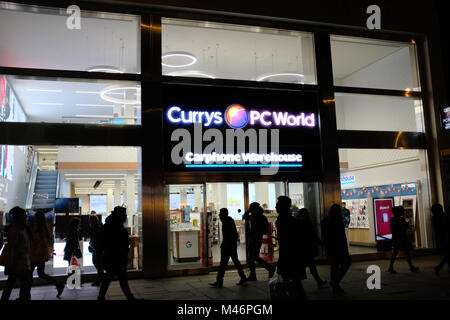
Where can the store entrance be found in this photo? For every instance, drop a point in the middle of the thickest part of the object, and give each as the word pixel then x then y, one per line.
pixel 195 230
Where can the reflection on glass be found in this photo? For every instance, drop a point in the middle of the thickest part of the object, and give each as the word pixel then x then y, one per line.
pixel 185 225
pixel 360 62
pixel 230 196
pixel 379 113
pixel 400 175
pixel 216 50
pixel 70 101
pixel 71 181
pixel 38 37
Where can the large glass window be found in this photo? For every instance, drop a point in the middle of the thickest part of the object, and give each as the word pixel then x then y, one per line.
pixel 216 50
pixel 380 113
pixel 44 38
pixel 70 101
pixel 359 62
pixel 69 182
pixel 187 222
pixel 372 180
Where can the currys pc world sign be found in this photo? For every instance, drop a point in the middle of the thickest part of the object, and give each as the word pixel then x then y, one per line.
pixel 237 117
pixel 267 130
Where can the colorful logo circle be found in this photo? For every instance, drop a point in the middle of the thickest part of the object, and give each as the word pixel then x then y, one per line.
pixel 188 244
pixel 236 116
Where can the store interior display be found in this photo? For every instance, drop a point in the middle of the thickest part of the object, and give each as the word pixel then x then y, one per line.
pixel 366 222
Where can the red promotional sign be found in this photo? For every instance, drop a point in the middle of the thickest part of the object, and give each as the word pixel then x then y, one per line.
pixel 383 215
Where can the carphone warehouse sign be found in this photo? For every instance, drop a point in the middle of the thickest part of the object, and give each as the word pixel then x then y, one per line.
pixel 223 129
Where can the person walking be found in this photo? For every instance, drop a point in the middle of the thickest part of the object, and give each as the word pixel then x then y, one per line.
pixel 291 264
pixel 400 241
pixel 336 247
pixel 96 246
pixel 310 243
pixel 41 250
pixel 72 248
pixel 441 225
pixel 17 256
pixel 115 252
pixel 228 249
pixel 256 225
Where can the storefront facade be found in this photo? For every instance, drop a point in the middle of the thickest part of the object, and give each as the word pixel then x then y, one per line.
pixel 351 114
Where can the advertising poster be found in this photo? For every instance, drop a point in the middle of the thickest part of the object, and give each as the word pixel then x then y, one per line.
pixel 235 200
pixel 353 206
pixel 383 215
pixel 362 218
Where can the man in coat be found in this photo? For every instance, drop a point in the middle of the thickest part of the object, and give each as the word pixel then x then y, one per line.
pixel 291 265
pixel 256 225
pixel 400 241
pixel 115 252
pixel 335 242
pixel 228 249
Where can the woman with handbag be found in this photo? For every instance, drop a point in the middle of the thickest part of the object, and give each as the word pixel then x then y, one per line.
pixel 16 255
pixel 72 248
pixel 41 250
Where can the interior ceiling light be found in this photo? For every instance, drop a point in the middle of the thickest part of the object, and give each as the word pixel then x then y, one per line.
pixel 44 90
pixel 189 73
pixel 48 103
pixel 108 69
pixel 178 55
pixel 283 74
pixel 93 105
pixel 104 94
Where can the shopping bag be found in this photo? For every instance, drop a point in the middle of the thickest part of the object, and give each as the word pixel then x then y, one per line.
pixel 74 262
pixel 280 288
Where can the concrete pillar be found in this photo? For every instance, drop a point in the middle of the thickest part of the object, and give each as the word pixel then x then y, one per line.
pixel 117 193
pixel 262 193
pixel 110 200
pixel 129 108
pixel 117 110
pixel 130 190
pixel 198 197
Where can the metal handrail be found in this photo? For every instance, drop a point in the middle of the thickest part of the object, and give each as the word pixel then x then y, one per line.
pixel 57 184
pixel 32 181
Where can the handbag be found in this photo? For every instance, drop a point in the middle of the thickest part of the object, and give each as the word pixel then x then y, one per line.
pixel 280 288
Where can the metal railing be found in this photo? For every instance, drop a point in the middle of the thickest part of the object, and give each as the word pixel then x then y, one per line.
pixel 31 181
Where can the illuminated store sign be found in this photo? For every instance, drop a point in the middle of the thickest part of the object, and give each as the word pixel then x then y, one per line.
pixel 242 160
pixel 266 131
pixel 237 117
pixel 446 118
pixel 348 179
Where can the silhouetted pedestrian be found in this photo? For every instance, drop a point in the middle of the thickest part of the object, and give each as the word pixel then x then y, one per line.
pixel 256 225
pixel 441 225
pixel 310 243
pixel 96 246
pixel 17 255
pixel 73 237
pixel 115 252
pixel 291 264
pixel 400 241
pixel 335 243
pixel 228 249
pixel 41 250
pixel 345 215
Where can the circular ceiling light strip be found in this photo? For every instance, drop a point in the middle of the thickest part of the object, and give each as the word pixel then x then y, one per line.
pixel 190 73
pixel 284 74
pixel 108 69
pixel 108 90
pixel 192 58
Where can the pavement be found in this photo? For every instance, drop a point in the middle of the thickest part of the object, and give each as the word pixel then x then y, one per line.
pixel 421 285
